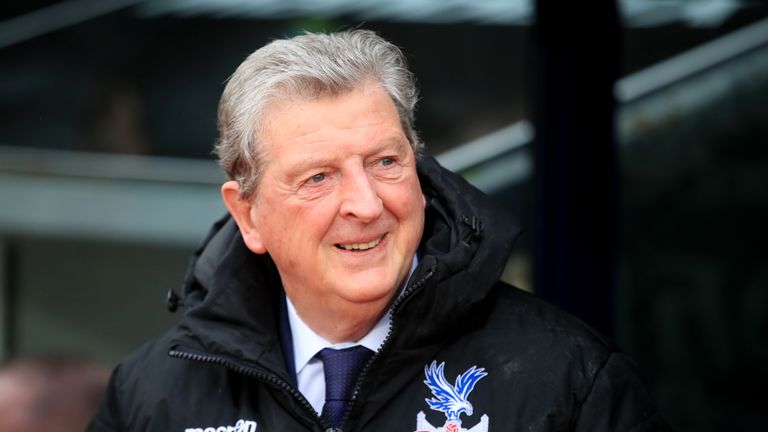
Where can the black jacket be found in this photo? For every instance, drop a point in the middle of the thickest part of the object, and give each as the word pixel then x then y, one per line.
pixel 223 367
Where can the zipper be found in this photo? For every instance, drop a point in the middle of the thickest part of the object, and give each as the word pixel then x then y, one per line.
pixel 252 372
pixel 408 291
pixel 281 384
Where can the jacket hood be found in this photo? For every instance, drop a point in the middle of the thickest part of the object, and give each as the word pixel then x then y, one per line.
pixel 231 299
pixel 232 295
pixel 466 243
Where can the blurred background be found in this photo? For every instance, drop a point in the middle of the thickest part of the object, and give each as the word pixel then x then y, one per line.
pixel 630 139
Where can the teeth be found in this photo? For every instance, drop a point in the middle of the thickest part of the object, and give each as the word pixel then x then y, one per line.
pixel 360 246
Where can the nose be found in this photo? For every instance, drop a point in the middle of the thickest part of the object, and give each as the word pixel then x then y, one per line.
pixel 360 199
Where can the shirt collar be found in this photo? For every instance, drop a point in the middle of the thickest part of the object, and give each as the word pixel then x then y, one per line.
pixel 307 343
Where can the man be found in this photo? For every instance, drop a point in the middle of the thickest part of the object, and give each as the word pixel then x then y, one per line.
pixel 357 279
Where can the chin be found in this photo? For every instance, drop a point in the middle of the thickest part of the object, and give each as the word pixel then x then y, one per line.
pixel 370 291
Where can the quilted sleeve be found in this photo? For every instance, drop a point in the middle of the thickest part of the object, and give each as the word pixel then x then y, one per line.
pixel 619 401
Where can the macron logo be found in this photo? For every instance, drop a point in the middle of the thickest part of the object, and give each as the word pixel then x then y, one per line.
pixel 240 426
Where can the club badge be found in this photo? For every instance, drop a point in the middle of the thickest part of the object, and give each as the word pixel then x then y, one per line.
pixel 451 400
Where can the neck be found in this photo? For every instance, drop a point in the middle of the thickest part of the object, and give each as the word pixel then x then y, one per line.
pixel 345 324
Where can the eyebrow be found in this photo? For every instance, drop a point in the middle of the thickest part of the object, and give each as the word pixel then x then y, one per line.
pixel 308 162
pixel 395 143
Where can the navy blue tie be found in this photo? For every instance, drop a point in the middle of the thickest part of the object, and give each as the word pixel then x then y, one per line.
pixel 342 368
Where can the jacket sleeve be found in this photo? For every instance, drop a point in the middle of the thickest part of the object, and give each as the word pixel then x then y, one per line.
pixel 619 401
pixel 107 418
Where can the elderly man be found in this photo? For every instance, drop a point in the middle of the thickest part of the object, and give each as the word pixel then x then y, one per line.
pixel 356 286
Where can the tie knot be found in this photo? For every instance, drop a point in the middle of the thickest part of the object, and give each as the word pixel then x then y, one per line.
pixel 342 369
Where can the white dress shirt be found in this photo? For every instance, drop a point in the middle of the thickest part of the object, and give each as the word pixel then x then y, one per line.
pixel 307 343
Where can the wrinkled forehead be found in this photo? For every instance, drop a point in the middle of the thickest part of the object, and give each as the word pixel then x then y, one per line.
pixel 366 115
pixel 307 89
pixel 286 96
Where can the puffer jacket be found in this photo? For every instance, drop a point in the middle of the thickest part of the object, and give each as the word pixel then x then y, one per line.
pixel 464 352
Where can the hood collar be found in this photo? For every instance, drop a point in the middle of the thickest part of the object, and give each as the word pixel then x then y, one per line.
pixel 231 295
pixel 466 243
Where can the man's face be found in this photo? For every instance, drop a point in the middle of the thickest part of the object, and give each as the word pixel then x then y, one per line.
pixel 339 207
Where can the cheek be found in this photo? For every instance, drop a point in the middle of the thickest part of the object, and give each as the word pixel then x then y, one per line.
pixel 416 202
pixel 274 220
pixel 408 207
pixel 315 218
pixel 298 226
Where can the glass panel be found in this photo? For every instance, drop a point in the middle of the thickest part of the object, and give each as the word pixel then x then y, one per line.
pixel 143 78
pixel 693 131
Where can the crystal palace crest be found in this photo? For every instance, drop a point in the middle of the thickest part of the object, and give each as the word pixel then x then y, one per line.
pixel 451 400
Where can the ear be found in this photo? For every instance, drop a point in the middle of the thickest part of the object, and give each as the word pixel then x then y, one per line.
pixel 241 211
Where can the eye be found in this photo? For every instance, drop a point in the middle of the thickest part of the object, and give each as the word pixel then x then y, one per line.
pixel 387 161
pixel 317 178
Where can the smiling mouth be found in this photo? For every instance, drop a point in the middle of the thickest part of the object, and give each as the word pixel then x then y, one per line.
pixel 359 247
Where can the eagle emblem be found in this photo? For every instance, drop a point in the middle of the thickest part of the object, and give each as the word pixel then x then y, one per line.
pixel 451 400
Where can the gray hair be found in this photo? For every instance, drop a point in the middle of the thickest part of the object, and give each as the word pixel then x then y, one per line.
pixel 309 66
